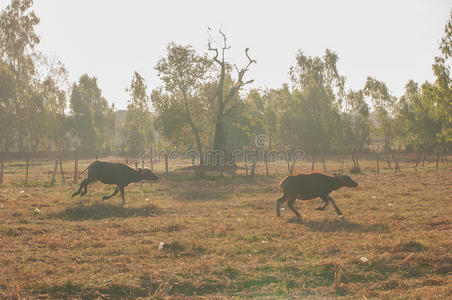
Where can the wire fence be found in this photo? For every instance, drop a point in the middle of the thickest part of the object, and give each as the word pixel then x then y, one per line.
pixel 29 170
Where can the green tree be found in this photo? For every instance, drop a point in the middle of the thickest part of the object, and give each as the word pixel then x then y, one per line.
pixel 7 93
pixel 17 42
pixel 180 110
pixel 139 122
pixel 317 97
pixel 383 104
pixel 357 124
pixel 89 112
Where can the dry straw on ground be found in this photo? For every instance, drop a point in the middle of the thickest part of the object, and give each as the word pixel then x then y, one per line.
pixel 221 238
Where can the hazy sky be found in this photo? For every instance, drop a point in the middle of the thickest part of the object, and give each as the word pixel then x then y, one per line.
pixel 393 41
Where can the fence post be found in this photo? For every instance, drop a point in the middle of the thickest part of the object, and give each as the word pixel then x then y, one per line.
pixel 245 158
pixel 1 171
pixel 61 171
pixel 26 172
pixel 313 163
pixel 76 167
pixel 52 181
pixel 193 164
pixel 437 159
pixel 151 156
pixel 166 161
pixel 342 164
pixel 253 165
pixel 266 162
pixel 136 165
pixel 378 163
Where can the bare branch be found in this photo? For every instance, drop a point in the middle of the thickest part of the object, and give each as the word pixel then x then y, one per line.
pixel 215 58
pixel 251 60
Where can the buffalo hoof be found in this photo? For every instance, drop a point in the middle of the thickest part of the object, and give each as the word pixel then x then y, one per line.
pixel 74 194
pixel 320 208
pixel 295 220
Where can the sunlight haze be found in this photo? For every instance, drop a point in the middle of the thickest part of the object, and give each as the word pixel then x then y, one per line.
pixel 393 41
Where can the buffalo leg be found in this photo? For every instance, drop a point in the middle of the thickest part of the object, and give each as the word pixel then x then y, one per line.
pixel 292 199
pixel 79 189
pixel 85 187
pixel 121 188
pixel 335 206
pixel 279 202
pixel 325 199
pixel 114 193
pixel 82 187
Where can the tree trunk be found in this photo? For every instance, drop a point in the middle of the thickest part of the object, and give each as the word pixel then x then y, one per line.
pixel 219 139
pixel 417 161
pixel 197 137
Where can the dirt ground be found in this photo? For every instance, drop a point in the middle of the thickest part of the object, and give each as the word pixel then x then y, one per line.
pixel 219 237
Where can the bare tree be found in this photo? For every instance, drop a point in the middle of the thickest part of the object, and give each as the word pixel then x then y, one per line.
pixel 226 91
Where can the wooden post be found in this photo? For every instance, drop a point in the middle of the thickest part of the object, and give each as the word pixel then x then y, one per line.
pixel 151 156
pixel 253 165
pixel 136 165
pixel 166 161
pixel 1 171
pixel 26 172
pixel 313 163
pixel 52 181
pixel 193 164
pixel 76 167
pixel 437 159
pixel 288 163
pixel 96 156
pixel 266 162
pixel 246 160
pixel 61 171
pixel 378 164
pixel 342 163
pixel 324 166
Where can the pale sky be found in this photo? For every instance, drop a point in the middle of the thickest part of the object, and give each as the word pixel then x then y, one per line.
pixel 393 41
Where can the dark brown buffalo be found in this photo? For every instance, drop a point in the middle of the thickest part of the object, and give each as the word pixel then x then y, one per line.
pixel 113 173
pixel 307 186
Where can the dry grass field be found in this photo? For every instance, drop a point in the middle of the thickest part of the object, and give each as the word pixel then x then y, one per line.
pixel 219 237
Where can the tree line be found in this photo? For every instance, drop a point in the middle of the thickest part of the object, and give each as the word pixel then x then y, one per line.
pixel 203 103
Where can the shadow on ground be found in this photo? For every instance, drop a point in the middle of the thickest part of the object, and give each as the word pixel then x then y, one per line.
pixel 100 211
pixel 344 225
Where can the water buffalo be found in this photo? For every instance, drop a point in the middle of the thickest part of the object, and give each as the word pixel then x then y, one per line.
pixel 307 186
pixel 113 173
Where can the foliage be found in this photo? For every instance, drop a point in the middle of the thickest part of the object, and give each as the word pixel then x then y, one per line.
pixel 183 73
pixel 139 124
pixel 90 114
